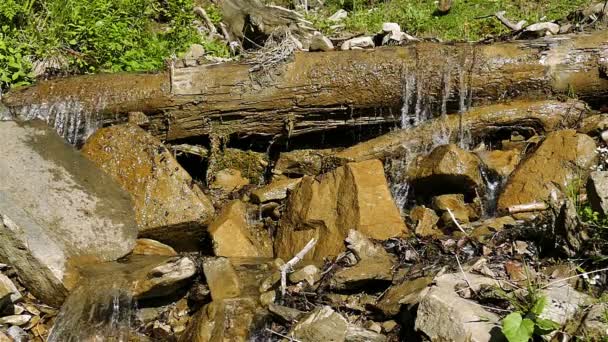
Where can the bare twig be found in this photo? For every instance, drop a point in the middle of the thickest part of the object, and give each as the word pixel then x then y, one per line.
pixel 456 222
pixel 464 274
pixel 514 27
pixel 203 14
pixel 288 267
pixel 575 276
pixel 527 207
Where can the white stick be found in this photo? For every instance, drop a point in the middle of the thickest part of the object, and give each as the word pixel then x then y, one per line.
pixel 572 277
pixel 524 208
pixel 515 27
pixel 288 267
pixel 291 339
pixel 456 222
pixel 203 14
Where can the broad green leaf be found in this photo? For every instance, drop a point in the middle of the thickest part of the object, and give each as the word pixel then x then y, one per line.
pixel 545 326
pixel 516 328
pixel 539 305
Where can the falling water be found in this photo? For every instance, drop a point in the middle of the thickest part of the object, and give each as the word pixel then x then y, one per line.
pixel 493 184
pixel 409 82
pixel 69 118
pixel 99 309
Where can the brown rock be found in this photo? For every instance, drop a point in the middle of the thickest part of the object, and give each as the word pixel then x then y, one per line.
pixel 221 278
pixel 562 158
pixel 354 196
pixel 168 206
pixel 276 190
pixel 252 165
pixel 152 247
pixel 454 202
pixel 447 169
pixel 233 236
pixel 426 221
pixel 405 293
pixel 501 162
pixel 229 180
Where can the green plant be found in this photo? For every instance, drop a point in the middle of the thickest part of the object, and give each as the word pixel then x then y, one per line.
pixel 214 13
pixel 522 325
pixel 15 69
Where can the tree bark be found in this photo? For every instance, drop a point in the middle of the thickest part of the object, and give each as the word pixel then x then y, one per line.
pixel 320 91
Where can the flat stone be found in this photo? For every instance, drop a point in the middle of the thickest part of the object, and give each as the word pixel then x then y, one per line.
pixel 309 273
pixel 338 16
pixel 286 314
pixel 54 206
pixel 443 315
pixel 597 191
pixel 234 236
pixel 561 158
pixel 544 28
pixel 299 163
pixel 355 196
pixel 152 247
pixel 391 27
pixel 194 53
pixel 408 292
pixel 221 278
pixel 355 333
pixel 594 326
pixel 8 287
pixel 15 319
pixel 275 191
pixel 365 274
pixel 322 324
pixel 169 207
pixel 563 303
pixel 268 297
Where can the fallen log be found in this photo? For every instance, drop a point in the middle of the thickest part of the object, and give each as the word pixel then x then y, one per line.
pixel 321 91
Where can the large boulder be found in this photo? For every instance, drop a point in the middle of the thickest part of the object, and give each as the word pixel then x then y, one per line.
pixel 501 162
pixel 563 158
pixel 234 235
pixel 448 169
pixel 55 207
pixel 169 207
pixel 355 196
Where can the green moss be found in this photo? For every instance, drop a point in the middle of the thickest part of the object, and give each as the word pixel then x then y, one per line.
pixel 463 22
pixel 251 164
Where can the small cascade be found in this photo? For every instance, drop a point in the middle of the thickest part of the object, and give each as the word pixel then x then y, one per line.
pixel 493 185
pixel 100 308
pixel 409 82
pixel 69 118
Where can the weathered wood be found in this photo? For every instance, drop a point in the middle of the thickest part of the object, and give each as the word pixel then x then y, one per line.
pixel 321 91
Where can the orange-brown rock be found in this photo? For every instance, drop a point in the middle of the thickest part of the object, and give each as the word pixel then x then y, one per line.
pixel 564 157
pixel 426 221
pixel 501 162
pixel 229 180
pixel 447 169
pixel 276 190
pixel 152 247
pixel 354 196
pixel 169 207
pixel 234 236
pixel 301 162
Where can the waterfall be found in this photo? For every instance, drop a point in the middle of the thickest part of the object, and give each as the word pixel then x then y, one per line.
pixel 493 184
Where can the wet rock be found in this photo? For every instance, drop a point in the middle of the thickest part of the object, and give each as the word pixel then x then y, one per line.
pixel 221 278
pixel 447 169
pixel 8 288
pixel 426 221
pixel 152 247
pixel 354 196
pixel 338 16
pixel 194 53
pixel 164 278
pixel 169 207
pixel 54 206
pixel 319 42
pixel 445 316
pixel 594 326
pixel 233 236
pixel 309 273
pixel 501 162
pixel 562 158
pixel 229 180
pixel 408 292
pixel 597 191
pixel 286 314
pixel 543 29
pixel 276 190
pixel 358 43
pixel 301 162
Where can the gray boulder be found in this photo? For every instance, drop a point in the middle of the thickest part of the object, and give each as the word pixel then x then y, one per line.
pixel 56 208
pixel 597 191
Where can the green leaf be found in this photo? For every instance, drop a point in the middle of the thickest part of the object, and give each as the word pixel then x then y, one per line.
pixel 516 328
pixel 545 326
pixel 539 305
